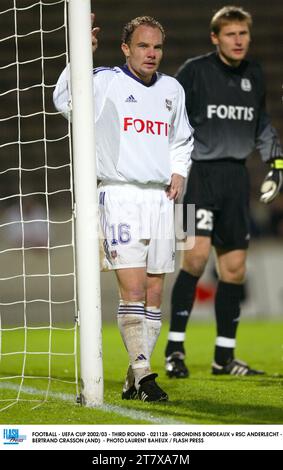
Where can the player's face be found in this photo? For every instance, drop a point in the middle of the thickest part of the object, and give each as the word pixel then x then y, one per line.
pixel 232 42
pixel 144 52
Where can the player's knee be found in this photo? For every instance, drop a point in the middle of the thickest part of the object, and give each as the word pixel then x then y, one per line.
pixel 234 274
pixel 194 265
pixel 133 294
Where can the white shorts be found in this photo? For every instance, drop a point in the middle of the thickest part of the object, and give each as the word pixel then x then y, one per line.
pixel 137 223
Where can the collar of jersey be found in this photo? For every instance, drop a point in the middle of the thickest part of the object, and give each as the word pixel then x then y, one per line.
pixel 127 71
pixel 236 70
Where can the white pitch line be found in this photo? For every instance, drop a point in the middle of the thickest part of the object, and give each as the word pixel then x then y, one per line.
pixel 125 412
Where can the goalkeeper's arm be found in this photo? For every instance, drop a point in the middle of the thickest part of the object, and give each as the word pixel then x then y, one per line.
pixel 268 143
pixel 273 181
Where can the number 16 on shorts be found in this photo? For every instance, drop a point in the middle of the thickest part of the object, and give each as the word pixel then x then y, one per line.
pixel 120 234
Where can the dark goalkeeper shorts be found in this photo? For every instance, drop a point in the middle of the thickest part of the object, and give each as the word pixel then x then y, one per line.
pixel 220 192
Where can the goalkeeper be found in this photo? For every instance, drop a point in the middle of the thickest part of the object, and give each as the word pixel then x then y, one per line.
pixel 225 99
pixel 143 147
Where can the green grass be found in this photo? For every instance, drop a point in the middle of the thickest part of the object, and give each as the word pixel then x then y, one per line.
pixel 201 399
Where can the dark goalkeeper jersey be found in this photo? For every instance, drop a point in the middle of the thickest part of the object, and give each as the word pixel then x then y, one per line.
pixel 226 107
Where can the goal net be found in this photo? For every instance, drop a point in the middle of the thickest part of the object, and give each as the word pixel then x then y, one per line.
pixel 38 305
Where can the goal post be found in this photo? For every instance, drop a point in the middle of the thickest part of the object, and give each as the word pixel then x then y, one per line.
pixel 49 223
pixel 86 216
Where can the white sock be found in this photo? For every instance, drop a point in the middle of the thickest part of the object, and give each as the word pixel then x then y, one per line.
pixel 153 323
pixel 133 329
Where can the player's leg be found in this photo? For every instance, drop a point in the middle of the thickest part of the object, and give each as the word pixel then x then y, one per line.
pixel 231 273
pixel 131 318
pixel 154 287
pixel 231 267
pixel 154 290
pixel 192 266
pixel 231 239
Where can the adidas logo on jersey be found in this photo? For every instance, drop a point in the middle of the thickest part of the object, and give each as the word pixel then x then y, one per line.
pixel 131 99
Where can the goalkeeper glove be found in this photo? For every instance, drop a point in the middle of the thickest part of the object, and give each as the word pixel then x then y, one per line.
pixel 273 181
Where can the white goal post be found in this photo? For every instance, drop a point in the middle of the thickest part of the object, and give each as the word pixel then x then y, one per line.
pixel 49 236
pixel 87 232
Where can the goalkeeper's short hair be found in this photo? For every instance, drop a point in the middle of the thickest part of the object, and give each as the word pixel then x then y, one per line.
pixel 229 14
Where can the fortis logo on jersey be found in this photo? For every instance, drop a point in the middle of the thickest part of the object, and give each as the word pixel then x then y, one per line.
pixel 239 113
pixel 147 126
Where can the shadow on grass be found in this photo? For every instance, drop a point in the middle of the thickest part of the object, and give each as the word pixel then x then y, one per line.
pixel 204 411
pixel 199 409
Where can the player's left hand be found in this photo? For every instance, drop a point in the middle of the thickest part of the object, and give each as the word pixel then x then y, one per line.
pixel 271 185
pixel 273 181
pixel 175 189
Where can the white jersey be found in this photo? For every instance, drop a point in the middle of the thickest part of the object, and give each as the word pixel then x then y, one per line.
pixel 142 131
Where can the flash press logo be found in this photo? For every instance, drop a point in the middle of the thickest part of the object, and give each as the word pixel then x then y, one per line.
pixel 12 436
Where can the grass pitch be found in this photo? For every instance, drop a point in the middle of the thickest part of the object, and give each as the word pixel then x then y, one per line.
pixel 201 399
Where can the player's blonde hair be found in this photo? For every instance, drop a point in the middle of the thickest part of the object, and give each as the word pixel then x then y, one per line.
pixel 130 27
pixel 229 14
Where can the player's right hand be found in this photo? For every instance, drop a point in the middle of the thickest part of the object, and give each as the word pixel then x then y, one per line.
pixel 94 32
pixel 271 185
